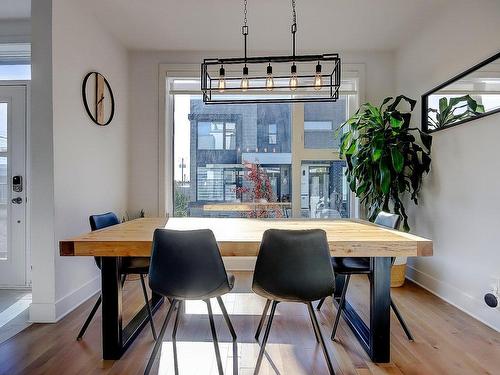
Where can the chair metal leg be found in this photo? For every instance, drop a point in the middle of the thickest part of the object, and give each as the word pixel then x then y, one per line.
pixel 89 319
pixel 320 304
pixel 262 319
pixel 401 321
pixel 177 319
pixel 316 334
pixel 321 340
pixel 226 318
pixel 148 306
pixel 158 343
pixel 341 306
pixel 214 337
pixel 266 336
pixel 174 336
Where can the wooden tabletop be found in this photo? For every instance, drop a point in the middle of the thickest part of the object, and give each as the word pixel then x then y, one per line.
pixel 242 236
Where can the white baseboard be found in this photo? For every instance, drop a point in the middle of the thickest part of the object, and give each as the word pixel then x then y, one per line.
pixel 239 263
pixel 42 313
pixel 74 299
pixel 454 296
pixel 53 312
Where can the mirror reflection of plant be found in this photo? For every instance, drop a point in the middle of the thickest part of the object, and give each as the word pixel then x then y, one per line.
pixel 384 160
pixel 446 115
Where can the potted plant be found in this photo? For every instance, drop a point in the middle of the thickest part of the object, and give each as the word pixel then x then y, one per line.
pixel 386 158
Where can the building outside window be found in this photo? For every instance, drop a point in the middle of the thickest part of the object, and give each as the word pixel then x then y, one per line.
pixel 212 143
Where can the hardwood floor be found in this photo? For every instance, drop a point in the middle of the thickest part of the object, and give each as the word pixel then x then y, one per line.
pixel 447 341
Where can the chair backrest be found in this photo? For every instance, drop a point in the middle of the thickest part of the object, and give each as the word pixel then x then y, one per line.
pixel 388 220
pixel 294 265
pixel 103 220
pixel 186 264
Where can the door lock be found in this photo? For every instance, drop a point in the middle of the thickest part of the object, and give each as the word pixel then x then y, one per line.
pixel 17 200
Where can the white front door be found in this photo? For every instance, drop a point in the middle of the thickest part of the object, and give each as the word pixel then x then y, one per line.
pixel 13 186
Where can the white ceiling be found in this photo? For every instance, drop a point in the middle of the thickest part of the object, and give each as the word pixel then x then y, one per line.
pixel 15 9
pixel 216 24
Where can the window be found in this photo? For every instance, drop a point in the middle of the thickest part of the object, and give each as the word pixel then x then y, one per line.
pixel 15 72
pixel 321 121
pixel 324 191
pixel 15 61
pixel 213 145
pixel 273 134
pixel 216 136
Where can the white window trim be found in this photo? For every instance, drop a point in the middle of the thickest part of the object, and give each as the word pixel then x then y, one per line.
pixel 166 133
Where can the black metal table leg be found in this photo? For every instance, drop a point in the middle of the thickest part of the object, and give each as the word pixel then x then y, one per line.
pixel 380 309
pixel 115 338
pixel 111 292
pixel 376 339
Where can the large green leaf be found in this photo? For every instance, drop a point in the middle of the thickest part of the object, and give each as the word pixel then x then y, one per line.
pixel 395 122
pixel 377 147
pixel 397 159
pixel 385 177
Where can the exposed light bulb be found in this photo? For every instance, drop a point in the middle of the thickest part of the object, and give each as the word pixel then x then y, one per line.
pixel 222 81
pixel 293 78
pixel 269 79
pixel 244 80
pixel 318 80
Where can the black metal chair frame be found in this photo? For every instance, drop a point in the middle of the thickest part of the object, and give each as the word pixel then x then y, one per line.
pixel 316 328
pixel 180 307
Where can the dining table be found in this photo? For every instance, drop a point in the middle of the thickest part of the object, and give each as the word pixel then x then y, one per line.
pixel 241 237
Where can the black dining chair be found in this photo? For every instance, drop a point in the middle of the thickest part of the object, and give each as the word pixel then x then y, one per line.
pixel 129 266
pixel 187 265
pixel 293 266
pixel 356 266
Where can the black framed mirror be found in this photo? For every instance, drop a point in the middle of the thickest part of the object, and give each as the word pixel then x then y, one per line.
pixel 470 95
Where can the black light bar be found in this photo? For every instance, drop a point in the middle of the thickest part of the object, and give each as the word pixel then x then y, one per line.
pixel 316 78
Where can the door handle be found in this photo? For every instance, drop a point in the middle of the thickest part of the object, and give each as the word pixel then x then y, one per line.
pixel 17 200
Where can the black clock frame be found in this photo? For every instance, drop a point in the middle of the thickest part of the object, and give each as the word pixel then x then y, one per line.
pixel 85 102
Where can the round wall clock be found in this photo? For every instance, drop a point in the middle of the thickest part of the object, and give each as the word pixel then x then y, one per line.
pixel 98 98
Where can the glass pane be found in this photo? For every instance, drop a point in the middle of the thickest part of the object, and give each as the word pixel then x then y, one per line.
pixel 324 191
pixel 210 136
pixel 3 127
pixel 4 191
pixel 15 72
pixel 214 148
pixel 230 136
pixel 321 121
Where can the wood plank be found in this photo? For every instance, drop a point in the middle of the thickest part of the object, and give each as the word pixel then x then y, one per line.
pixel 242 236
pixel 99 98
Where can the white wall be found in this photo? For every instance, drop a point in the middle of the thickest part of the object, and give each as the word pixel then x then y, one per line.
pixel 459 206
pixel 90 172
pixel 144 153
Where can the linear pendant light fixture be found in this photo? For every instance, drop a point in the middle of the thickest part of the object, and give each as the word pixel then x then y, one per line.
pixel 271 79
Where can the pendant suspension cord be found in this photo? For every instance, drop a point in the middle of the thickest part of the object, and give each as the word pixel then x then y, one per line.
pixel 294 27
pixel 244 29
